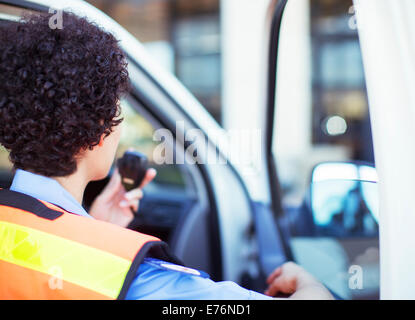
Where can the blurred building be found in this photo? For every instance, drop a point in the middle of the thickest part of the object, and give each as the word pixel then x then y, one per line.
pixel 184 35
pixel 339 88
pixel 188 37
pixel 321 101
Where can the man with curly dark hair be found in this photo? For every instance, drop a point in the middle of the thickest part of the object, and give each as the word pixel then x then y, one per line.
pixel 60 119
pixel 59 99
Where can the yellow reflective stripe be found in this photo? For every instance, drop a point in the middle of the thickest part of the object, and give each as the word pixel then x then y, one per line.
pixel 63 259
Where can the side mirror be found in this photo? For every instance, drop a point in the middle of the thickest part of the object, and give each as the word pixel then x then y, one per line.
pixel 344 200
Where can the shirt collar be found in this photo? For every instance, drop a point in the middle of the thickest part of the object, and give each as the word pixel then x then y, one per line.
pixel 46 189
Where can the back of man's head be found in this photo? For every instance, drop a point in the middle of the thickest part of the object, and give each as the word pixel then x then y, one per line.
pixel 59 90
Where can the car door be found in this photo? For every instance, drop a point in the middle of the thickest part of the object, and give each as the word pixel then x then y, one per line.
pixel 317 133
pixel 387 32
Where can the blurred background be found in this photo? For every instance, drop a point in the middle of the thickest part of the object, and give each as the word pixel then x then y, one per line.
pixel 215 48
pixel 184 35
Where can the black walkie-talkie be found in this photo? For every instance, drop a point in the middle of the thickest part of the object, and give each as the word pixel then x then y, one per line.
pixel 132 167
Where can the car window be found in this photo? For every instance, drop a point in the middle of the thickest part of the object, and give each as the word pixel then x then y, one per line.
pixel 5 168
pixel 138 133
pixel 323 147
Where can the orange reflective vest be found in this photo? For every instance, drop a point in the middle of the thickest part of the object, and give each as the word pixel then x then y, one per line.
pixel 49 253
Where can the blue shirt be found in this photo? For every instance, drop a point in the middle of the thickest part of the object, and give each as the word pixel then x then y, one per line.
pixel 153 280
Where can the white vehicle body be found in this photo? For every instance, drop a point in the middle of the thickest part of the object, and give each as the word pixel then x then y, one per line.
pixel 387 33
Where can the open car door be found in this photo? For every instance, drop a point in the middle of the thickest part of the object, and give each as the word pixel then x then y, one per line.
pixel 318 145
pixel 387 32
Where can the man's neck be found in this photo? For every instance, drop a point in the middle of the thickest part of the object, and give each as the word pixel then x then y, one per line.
pixel 75 183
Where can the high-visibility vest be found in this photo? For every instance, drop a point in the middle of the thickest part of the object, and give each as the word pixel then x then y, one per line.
pixel 49 253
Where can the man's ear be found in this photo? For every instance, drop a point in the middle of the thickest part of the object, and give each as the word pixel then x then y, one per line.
pixel 101 140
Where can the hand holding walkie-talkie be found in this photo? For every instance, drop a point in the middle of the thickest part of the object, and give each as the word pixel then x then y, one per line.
pixel 132 167
pixel 119 200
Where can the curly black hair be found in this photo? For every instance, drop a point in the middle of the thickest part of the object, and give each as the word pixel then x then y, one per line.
pixel 59 91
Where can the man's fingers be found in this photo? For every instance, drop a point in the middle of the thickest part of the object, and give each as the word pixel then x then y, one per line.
pixel 136 193
pixel 129 203
pixel 134 206
pixel 280 284
pixel 132 198
pixel 273 289
pixel 150 175
pixel 113 186
pixel 274 274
